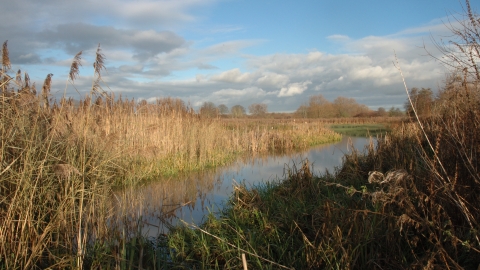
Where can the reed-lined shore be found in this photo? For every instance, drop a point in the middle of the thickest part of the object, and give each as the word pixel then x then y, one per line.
pixel 61 159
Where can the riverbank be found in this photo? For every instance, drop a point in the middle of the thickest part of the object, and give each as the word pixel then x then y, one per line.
pixel 377 211
pixel 60 162
pixel 383 209
pixel 191 197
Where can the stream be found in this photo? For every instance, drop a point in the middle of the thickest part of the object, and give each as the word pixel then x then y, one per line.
pixel 192 197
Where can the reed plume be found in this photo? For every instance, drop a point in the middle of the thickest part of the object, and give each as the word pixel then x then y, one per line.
pixel 5 57
pixel 99 62
pixel 74 68
pixel 26 83
pixel 98 65
pixel 47 84
pixel 4 78
pixel 18 78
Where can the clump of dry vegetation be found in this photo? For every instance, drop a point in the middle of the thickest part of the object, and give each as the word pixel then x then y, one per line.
pixel 52 179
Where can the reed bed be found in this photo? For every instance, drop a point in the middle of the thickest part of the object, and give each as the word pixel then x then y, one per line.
pixel 61 159
pixel 167 138
pixel 53 188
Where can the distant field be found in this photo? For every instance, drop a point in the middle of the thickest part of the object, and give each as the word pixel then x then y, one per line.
pixel 360 130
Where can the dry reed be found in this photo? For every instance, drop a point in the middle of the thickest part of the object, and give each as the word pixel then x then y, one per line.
pixel 60 160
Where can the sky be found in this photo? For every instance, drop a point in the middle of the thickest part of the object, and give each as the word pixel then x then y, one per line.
pixel 234 52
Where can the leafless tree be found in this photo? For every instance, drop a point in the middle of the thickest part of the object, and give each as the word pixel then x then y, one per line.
pixel 258 109
pixel 462 50
pixel 238 111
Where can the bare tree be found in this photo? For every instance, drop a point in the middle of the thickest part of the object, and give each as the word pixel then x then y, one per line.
pixel 209 110
pixel 422 100
pixel 223 109
pixel 381 111
pixel 319 107
pixel 238 111
pixel 462 52
pixel 257 109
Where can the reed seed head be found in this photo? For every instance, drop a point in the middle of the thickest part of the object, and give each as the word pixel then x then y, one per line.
pixel 46 89
pixel 47 84
pixel 74 68
pixel 18 78
pixel 99 62
pixel 26 82
pixel 5 57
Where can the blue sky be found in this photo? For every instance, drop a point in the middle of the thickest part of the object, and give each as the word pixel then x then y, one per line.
pixel 234 52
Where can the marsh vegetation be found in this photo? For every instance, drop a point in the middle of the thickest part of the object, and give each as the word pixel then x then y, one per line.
pixel 409 201
pixel 61 159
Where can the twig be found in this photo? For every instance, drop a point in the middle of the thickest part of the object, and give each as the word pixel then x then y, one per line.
pixel 458 200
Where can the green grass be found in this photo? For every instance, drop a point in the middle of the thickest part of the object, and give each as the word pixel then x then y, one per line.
pixel 360 130
pixel 301 223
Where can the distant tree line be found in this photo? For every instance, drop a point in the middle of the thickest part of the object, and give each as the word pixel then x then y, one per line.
pixel 392 112
pixel 319 107
pixel 209 110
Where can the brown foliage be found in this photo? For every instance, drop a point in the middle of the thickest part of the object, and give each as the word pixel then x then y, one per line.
pixel 258 109
pixel 319 107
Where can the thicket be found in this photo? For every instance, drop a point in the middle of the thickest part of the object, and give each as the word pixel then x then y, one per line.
pixel 319 107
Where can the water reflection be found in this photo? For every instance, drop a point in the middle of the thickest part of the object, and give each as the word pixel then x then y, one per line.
pixel 191 197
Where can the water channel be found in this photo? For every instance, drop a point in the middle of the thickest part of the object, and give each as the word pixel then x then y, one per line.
pixel 191 197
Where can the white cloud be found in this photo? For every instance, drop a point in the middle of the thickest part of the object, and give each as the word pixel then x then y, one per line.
pixel 338 38
pixel 313 57
pixel 251 92
pixel 270 79
pixel 232 76
pixel 228 47
pixel 151 12
pixel 294 89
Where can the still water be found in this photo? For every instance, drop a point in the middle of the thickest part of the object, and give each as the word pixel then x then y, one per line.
pixel 191 197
